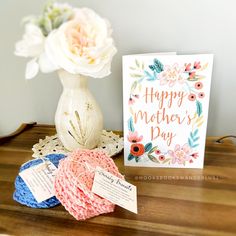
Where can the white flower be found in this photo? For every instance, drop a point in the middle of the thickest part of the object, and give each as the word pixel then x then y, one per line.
pixel 82 45
pixel 32 43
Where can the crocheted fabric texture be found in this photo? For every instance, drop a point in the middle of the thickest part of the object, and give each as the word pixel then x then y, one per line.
pixel 110 143
pixel 22 193
pixel 74 180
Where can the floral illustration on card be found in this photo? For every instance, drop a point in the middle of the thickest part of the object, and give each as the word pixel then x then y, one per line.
pixel 188 76
pixel 180 154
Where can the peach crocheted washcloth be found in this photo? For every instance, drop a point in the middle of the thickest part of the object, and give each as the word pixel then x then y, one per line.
pixel 74 180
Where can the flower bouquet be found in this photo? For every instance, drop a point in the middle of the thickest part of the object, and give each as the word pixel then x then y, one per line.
pixel 77 43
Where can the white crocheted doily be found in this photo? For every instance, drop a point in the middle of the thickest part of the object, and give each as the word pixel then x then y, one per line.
pixel 111 143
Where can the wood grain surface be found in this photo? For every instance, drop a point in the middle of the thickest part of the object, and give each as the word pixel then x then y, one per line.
pixel 170 201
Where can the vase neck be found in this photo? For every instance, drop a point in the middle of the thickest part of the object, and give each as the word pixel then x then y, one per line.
pixel 71 81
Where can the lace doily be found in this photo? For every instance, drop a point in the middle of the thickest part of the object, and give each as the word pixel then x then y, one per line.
pixel 111 143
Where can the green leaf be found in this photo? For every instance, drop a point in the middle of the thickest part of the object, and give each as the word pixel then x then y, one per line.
pixel 136 159
pixel 199 108
pixel 130 157
pixel 152 67
pixel 191 79
pixel 140 87
pixel 153 149
pixel 47 24
pixel 147 74
pixel 166 160
pixel 189 142
pixel 191 135
pixel 136 75
pixel 159 66
pixel 57 22
pixel 136 62
pixel 195 145
pixel 195 139
pixel 152 158
pixel 134 85
pixel 130 124
pixel 195 132
pixel 148 147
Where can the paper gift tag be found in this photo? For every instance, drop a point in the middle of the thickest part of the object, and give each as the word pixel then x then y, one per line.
pixel 115 190
pixel 166 99
pixel 39 179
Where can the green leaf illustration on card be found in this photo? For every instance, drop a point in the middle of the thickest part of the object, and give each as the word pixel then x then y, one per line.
pixel 148 147
pixel 157 66
pixel 199 108
pixel 130 157
pixel 130 124
pixel 152 158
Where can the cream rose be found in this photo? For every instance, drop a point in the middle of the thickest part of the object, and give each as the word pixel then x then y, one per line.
pixel 82 45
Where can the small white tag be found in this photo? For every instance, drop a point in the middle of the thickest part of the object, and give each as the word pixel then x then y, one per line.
pixel 39 179
pixel 115 190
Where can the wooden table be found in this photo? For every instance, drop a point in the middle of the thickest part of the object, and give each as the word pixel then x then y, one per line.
pixel 170 201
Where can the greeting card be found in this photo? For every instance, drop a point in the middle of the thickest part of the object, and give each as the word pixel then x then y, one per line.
pixel 166 99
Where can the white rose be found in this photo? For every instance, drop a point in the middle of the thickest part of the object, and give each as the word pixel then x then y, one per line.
pixel 82 45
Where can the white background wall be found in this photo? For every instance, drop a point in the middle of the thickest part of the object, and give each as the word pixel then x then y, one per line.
pixel 185 26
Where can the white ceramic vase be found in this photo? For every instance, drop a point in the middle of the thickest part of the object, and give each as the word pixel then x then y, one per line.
pixel 79 120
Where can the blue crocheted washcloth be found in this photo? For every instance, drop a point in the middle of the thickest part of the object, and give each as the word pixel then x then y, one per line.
pixel 22 193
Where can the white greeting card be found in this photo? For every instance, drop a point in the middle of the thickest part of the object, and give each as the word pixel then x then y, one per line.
pixel 166 99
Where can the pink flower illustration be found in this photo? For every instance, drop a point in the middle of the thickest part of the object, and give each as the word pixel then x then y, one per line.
pixel 191 97
pixel 198 85
pixel 201 95
pixel 158 152
pixel 161 157
pixel 180 154
pixel 188 67
pixel 131 101
pixel 171 75
pixel 197 65
pixel 195 155
pixel 191 75
pixel 133 137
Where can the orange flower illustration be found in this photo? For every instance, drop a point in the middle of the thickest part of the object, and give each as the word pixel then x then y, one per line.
pixel 137 149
